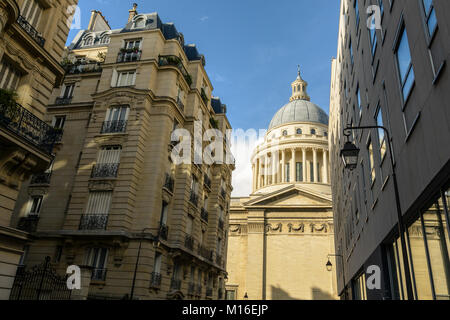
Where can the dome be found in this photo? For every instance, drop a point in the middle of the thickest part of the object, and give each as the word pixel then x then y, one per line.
pixel 299 111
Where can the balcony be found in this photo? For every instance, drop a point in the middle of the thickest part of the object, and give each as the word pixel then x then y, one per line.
pixel 129 55
pixel 93 222
pixel 171 60
pixel 175 284
pixel 105 170
pixel 204 215
pixel 163 231
pixel 155 280
pixel 221 224
pixel 205 253
pixel 28 224
pixel 80 68
pixel 117 126
pixel 63 101
pixel 207 182
pixel 189 242
pixel 42 178
pixel 194 198
pixel 98 274
pixel 23 123
pixel 32 32
pixel 169 183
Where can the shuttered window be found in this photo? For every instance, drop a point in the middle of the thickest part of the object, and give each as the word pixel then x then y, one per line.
pixel 31 11
pixel 109 155
pixel 96 257
pixel 99 202
pixel 9 76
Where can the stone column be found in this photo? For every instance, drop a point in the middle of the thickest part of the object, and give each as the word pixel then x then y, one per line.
pixel 314 163
pixel 325 167
pixel 253 176
pixel 260 171
pixel 266 158
pixel 283 164
pixel 293 171
pixel 304 164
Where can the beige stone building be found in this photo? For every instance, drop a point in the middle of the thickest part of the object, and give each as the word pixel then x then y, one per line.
pixel 32 40
pixel 113 202
pixel 393 76
pixel 281 235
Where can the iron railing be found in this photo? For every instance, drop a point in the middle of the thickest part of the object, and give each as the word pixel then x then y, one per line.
pixel 194 198
pixel 23 123
pixel 189 242
pixel 171 60
pixel 41 178
pixel 28 224
pixel 105 170
pixel 204 215
pixel 169 182
pixel 175 284
pixel 163 232
pixel 63 100
pixel 99 274
pixel 83 68
pixel 32 32
pixel 207 182
pixel 155 280
pixel 93 222
pixel 117 126
pixel 131 56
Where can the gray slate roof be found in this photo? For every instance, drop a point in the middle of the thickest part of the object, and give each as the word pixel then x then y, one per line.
pixel 299 111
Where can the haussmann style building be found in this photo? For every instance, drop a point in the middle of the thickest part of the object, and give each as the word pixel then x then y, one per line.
pixel 112 202
pixel 395 76
pixel 281 236
pixel 32 40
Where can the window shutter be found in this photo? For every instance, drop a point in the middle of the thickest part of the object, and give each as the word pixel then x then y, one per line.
pixel 99 202
pixel 114 78
pixel 134 79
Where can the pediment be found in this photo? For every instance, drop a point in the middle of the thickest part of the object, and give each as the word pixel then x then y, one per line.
pixel 291 197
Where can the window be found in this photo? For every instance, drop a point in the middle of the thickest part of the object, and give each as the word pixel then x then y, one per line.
pixel 157 263
pixel 35 205
pixel 358 96
pixel 352 59
pixel 299 131
pixel 9 76
pixel 405 67
pixel 359 288
pixel 139 23
pixel 58 122
pixel 381 137
pixel 194 185
pixel 67 91
pixel 89 41
pixel 105 39
pixel 164 210
pixel 287 172
pixel 127 78
pixel 318 172
pixel 311 171
pixel 189 225
pixel 371 161
pixel 99 203
pixel 373 39
pixel 313 131
pixel 97 259
pixel 299 172
pixel 219 246
pixel 285 133
pixel 109 155
pixel 356 6
pixel 430 16
pixel 133 44
pixel 117 113
pixel 31 11
pixel 230 295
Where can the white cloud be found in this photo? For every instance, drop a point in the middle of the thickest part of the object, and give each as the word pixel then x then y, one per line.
pixel 204 18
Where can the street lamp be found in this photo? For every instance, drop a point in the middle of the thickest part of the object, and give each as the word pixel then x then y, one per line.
pixel 348 154
pixel 137 263
pixel 246 296
pixel 329 265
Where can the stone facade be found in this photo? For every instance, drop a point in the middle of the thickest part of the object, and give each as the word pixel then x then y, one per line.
pixel 32 41
pixel 148 229
pixel 281 235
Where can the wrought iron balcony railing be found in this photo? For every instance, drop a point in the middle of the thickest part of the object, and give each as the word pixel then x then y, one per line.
pixel 129 56
pixel 93 222
pixel 194 198
pixel 171 60
pixel 99 274
pixel 221 224
pixel 23 123
pixel 42 178
pixel 204 215
pixel 207 181
pixel 209 292
pixel 163 232
pixel 205 253
pixel 155 280
pixel 189 242
pixel 37 36
pixel 83 68
pixel 118 126
pixel 169 183
pixel 105 170
pixel 175 284
pixel 63 101
pixel 28 224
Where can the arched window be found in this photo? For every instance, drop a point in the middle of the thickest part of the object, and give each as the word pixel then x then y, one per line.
pixel 88 41
pixel 139 23
pixel 105 39
pixel 299 131
pixel 313 131
pixel 285 133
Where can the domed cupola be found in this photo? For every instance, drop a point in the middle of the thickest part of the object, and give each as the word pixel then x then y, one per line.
pixel 299 87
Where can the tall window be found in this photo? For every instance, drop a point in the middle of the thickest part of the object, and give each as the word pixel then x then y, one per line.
pixel 381 136
pixel 67 91
pixel 35 205
pixel 430 16
pixel 132 44
pixel 311 171
pixel 157 263
pixel 127 78
pixel 31 11
pixel 109 155
pixel 371 161
pixel 405 67
pixel 219 246
pixel 164 210
pixel 299 171
pixel 189 225
pixel 99 203
pixel 59 121
pixel 117 113
pixel 358 96
pixel 9 76
pixel 287 172
pixel 97 259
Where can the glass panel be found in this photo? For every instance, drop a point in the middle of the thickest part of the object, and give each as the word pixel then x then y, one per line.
pixel 432 22
pixel 437 241
pixel 408 84
pixel 419 261
pixel 403 56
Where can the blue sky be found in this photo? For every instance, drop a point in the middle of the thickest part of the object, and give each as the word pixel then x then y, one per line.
pixel 252 50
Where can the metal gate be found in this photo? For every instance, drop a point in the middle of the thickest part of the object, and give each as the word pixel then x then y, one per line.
pixel 40 283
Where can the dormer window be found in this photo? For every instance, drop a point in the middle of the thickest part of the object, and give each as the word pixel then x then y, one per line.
pixel 105 40
pixel 88 41
pixel 139 23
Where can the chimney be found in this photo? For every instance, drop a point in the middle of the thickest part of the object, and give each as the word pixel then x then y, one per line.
pixel 133 12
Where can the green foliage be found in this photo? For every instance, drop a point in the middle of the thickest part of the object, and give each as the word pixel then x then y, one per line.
pixel 7 98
